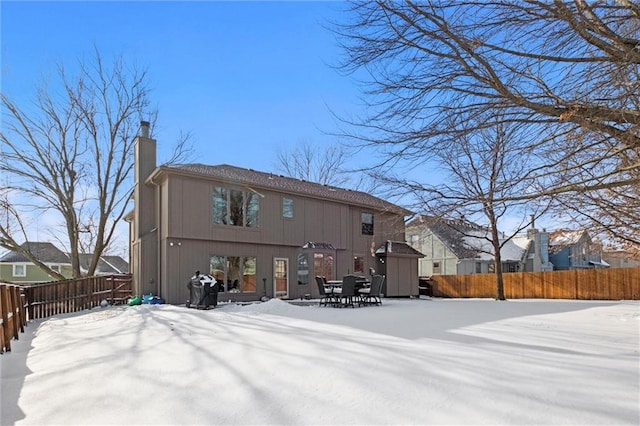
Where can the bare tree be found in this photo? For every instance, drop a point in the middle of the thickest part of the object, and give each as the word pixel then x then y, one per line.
pixel 325 165
pixel 568 70
pixel 71 152
pixel 483 178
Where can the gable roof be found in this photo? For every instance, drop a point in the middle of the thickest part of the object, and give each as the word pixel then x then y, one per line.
pixel 43 251
pixel 467 240
pixel 398 247
pixel 232 174
pixel 566 237
pixel 450 232
pixel 106 264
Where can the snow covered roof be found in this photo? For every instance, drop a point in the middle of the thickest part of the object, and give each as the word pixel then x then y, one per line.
pixel 107 264
pixel 509 252
pixel 468 240
pixel 398 247
pixel 565 237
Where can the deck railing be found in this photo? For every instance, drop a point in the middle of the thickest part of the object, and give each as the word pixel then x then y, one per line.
pixel 12 315
pixel 60 297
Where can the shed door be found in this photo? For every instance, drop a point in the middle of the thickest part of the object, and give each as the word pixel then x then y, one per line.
pixel 281 277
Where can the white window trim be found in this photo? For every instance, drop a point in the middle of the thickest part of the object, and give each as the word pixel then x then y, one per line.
pixel 24 266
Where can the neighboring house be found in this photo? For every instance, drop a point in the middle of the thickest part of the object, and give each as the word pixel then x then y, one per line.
pixel 459 247
pixel 620 258
pixel 574 249
pixel 16 268
pixel 261 234
pixel 536 245
pixel 107 265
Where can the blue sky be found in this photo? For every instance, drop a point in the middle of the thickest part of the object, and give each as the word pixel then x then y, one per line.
pixel 243 77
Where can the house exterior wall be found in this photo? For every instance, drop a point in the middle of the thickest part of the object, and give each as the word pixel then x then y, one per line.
pixel 621 259
pixel 435 252
pixel 440 260
pixel 33 273
pixel 188 237
pixel 577 255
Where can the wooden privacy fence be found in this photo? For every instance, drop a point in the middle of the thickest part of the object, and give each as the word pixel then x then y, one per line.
pixel 585 284
pixel 12 315
pixel 61 297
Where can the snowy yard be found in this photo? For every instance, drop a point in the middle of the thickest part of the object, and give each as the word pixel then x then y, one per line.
pixel 424 361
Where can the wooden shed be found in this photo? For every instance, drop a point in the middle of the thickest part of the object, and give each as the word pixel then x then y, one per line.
pixel 398 261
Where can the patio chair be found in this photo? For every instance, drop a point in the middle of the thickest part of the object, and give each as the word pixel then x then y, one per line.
pixel 326 296
pixel 347 292
pixel 371 295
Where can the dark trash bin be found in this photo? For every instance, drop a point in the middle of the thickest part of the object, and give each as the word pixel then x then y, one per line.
pixel 425 286
pixel 210 290
pixel 203 292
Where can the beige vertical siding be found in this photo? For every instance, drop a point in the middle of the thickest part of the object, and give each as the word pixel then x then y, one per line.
pixel 187 223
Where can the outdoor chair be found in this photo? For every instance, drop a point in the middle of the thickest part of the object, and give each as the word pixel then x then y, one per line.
pixel 326 296
pixel 371 295
pixel 347 292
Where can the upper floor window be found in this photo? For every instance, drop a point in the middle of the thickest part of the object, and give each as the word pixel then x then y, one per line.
pixel 436 268
pixel 287 208
pixel 20 270
pixel 234 207
pixel 55 268
pixel 367 223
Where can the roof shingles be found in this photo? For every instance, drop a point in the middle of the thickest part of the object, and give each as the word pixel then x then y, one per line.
pixel 227 173
pixel 45 252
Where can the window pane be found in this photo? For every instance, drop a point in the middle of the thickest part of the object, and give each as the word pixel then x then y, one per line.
pixel 220 206
pixel 367 224
pixel 287 207
pixel 436 267
pixel 328 267
pixel 358 264
pixel 317 263
pixel 19 270
pixel 236 208
pixel 253 207
pixel 323 265
pixel 217 266
pixel 303 269
pixel 233 274
pixel 249 275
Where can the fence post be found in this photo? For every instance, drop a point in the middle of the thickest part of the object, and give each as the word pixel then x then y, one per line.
pixel 4 307
pixel 14 294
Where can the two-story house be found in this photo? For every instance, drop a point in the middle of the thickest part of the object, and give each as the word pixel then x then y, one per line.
pixel 574 249
pixel 261 234
pixel 16 268
pixel 460 247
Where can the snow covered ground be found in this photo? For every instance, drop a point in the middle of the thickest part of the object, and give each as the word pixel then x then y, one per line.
pixel 419 361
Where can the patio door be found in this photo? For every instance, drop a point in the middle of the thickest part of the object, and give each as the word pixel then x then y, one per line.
pixel 281 277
